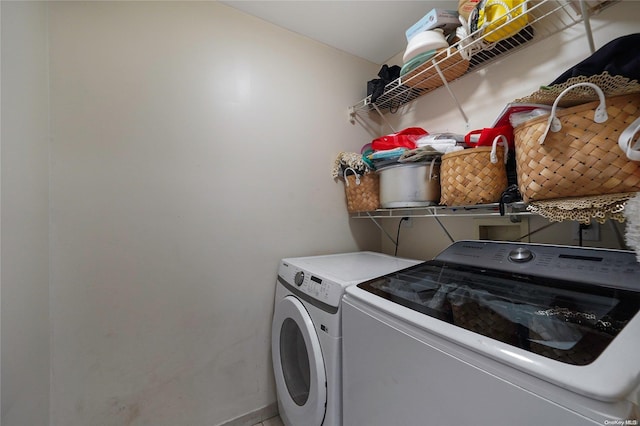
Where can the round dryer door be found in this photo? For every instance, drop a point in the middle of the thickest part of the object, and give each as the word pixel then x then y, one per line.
pixel 298 364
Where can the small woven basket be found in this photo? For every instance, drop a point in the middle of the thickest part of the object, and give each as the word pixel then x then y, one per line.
pixel 582 157
pixel 426 76
pixel 470 177
pixel 362 191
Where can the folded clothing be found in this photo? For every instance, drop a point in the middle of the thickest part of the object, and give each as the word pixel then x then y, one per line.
pixel 632 233
pixel 423 153
pixel 405 138
pixel 386 154
pixel 442 142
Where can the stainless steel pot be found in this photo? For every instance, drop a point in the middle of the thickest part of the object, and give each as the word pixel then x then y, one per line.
pixel 410 185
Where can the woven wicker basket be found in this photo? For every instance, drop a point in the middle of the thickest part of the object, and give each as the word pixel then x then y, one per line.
pixel 362 191
pixel 469 177
pixel 426 76
pixel 583 157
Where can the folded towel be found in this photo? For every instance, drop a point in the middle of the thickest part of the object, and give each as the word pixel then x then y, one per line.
pixel 632 233
pixel 386 154
pixel 440 140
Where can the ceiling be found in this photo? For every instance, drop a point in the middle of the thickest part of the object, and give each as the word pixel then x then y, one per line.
pixel 372 30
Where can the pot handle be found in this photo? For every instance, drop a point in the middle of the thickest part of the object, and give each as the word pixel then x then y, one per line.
pixel 625 141
pixel 433 163
pixel 494 148
pixel 346 181
pixel 599 116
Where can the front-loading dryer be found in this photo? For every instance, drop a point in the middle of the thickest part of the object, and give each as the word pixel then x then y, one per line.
pixel 306 336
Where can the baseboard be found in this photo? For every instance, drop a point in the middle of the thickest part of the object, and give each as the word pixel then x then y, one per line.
pixel 254 417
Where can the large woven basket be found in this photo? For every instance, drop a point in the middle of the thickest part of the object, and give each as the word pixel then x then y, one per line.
pixel 583 157
pixel 469 177
pixel 362 192
pixel 426 76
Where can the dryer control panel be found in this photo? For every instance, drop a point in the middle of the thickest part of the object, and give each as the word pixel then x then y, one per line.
pixel 323 290
pixel 324 278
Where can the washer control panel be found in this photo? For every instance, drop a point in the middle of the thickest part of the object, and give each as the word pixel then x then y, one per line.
pixel 520 254
pixel 613 268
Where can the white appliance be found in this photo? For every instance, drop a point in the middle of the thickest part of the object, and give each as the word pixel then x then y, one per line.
pixel 493 333
pixel 306 335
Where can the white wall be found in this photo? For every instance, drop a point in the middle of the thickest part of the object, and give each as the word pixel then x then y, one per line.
pixel 25 229
pixel 191 150
pixel 185 138
pixel 483 95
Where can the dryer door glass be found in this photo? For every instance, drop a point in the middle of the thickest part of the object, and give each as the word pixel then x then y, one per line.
pixel 295 362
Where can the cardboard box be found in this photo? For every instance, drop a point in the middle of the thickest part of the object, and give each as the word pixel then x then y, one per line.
pixel 437 18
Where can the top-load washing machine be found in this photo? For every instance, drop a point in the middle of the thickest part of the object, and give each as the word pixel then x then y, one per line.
pixel 496 333
pixel 306 334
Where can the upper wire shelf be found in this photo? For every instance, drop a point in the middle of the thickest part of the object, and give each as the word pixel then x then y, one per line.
pixel 545 18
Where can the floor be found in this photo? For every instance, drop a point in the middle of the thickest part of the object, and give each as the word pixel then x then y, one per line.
pixel 273 421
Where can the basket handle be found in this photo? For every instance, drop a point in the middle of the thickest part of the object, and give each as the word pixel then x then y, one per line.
pixel 599 116
pixel 346 181
pixel 494 148
pixel 626 139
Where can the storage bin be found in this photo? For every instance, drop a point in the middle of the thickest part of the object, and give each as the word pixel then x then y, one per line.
pixel 471 176
pixel 362 191
pixel 574 152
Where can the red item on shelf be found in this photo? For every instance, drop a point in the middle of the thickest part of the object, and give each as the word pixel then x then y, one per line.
pixel 485 137
pixel 403 139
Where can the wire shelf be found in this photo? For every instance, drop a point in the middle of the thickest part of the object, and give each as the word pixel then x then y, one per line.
pixel 511 209
pixel 545 18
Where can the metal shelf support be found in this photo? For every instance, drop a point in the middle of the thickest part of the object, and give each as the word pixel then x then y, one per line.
pixel 587 24
pixel 453 96
pixel 383 117
pixel 382 229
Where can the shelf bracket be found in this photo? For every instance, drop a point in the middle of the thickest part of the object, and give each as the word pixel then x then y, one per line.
pixel 382 229
pixel 384 118
pixel 584 8
pixel 444 229
pixel 352 115
pixel 537 230
pixel 453 96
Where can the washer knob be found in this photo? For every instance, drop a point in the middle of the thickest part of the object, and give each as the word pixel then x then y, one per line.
pixel 299 278
pixel 520 255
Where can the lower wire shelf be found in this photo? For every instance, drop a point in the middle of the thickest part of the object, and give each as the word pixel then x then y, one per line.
pixel 511 210
pixel 477 210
